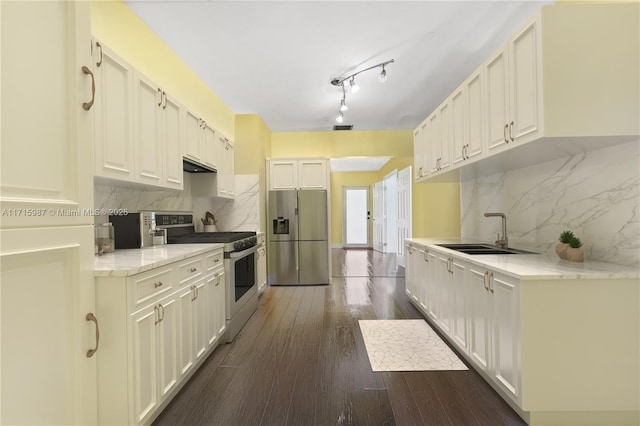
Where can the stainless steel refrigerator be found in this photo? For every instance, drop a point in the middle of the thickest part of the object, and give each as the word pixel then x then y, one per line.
pixel 297 238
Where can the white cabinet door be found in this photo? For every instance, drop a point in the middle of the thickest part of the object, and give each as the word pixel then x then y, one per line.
pixel 147 102
pixel 283 174
pixel 459 295
pixel 312 174
pixel 474 116
pixel 430 277
pixel 200 319
pixel 433 141
pixel 458 126
pixel 211 146
pixel 410 272
pixel 497 100
pixel 145 362
pixel 45 45
pixel 262 267
pixel 525 84
pixel 443 149
pixel 113 115
pixel 216 306
pixel 417 153
pixel 444 292
pixel 186 345
pixel 172 135
pixel 168 346
pixel 46 288
pixel 479 317
pixel 193 142
pixel 506 323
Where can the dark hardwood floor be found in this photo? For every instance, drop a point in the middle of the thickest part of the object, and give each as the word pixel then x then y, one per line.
pixel 301 360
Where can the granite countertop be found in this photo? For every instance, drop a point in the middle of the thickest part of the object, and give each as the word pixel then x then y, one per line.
pixel 124 263
pixel 534 266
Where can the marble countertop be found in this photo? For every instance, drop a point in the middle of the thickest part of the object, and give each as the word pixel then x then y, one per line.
pixel 129 262
pixel 534 266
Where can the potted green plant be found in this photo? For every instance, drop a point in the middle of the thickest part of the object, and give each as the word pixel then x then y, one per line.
pixel 563 245
pixel 574 252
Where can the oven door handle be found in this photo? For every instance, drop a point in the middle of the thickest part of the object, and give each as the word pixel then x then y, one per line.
pixel 243 253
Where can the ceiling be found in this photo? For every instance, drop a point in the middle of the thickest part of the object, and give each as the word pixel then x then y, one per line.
pixel 276 58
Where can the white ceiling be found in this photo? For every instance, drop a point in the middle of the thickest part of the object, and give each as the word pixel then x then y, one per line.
pixel 276 58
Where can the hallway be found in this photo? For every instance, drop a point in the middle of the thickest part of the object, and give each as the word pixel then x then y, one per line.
pixel 301 360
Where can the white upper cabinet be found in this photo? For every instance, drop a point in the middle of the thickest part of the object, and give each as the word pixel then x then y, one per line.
pixel 46 165
pixel 113 114
pixel 157 135
pixel 531 101
pixel 147 105
pixel 308 173
pixel 210 146
pixel 193 141
pixel 226 173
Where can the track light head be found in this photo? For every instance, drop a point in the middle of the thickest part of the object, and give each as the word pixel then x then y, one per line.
pixel 382 77
pixel 340 118
pixel 343 105
pixel 353 85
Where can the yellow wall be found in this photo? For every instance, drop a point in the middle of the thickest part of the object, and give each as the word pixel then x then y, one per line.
pixel 114 24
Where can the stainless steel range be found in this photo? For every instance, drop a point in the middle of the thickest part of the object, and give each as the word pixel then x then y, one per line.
pixel 239 264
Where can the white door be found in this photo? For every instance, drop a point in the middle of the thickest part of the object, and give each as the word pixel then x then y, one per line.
pixel 404 212
pixel 378 212
pixel 390 212
pixel 172 133
pixel 147 102
pixel 355 216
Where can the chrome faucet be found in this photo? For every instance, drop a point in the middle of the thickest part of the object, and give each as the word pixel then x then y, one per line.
pixel 504 241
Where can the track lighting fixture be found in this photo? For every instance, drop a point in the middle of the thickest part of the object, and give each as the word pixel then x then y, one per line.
pixel 351 79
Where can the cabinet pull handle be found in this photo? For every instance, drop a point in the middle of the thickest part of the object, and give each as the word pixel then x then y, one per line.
pixel 160 101
pixel 193 293
pixel 217 260
pixel 504 133
pixel 91 317
pixel 464 150
pixel 217 280
pixel 98 45
pixel 157 314
pixel 410 249
pixel 193 269
pixel 490 279
pixel 158 284
pixel 510 129
pixel 426 257
pixel 87 105
pixel 484 280
pixel 165 100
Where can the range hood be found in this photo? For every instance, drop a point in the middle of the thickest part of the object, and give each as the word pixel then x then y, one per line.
pixel 193 167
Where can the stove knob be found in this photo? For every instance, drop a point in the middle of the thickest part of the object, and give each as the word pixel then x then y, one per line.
pixel 254 240
pixel 237 245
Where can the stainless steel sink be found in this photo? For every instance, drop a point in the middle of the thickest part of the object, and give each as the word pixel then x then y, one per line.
pixel 476 249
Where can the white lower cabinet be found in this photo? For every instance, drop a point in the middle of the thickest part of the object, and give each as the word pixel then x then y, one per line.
pixel 262 266
pixel 494 323
pixel 156 327
pixel 476 308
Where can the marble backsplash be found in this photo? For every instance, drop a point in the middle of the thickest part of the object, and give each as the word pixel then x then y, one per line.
pixel 239 214
pixel 595 194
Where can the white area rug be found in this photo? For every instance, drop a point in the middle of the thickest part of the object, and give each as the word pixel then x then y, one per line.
pixel 406 345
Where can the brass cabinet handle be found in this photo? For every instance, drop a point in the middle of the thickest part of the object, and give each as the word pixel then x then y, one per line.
pixel 217 260
pixel 484 280
pixel 217 280
pixel 464 148
pixel 87 105
pixel 91 317
pixel 158 284
pixel 157 314
pixel 100 47
pixel 160 101
pixel 193 293
pixel 490 279
pixel 510 129
pixel 504 133
pixel 426 258
pixel 193 269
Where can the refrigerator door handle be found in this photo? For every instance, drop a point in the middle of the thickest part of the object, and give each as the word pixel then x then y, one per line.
pixel 297 255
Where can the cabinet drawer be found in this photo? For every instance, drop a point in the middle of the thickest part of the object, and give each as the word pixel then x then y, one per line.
pixel 214 260
pixel 150 284
pixel 190 269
